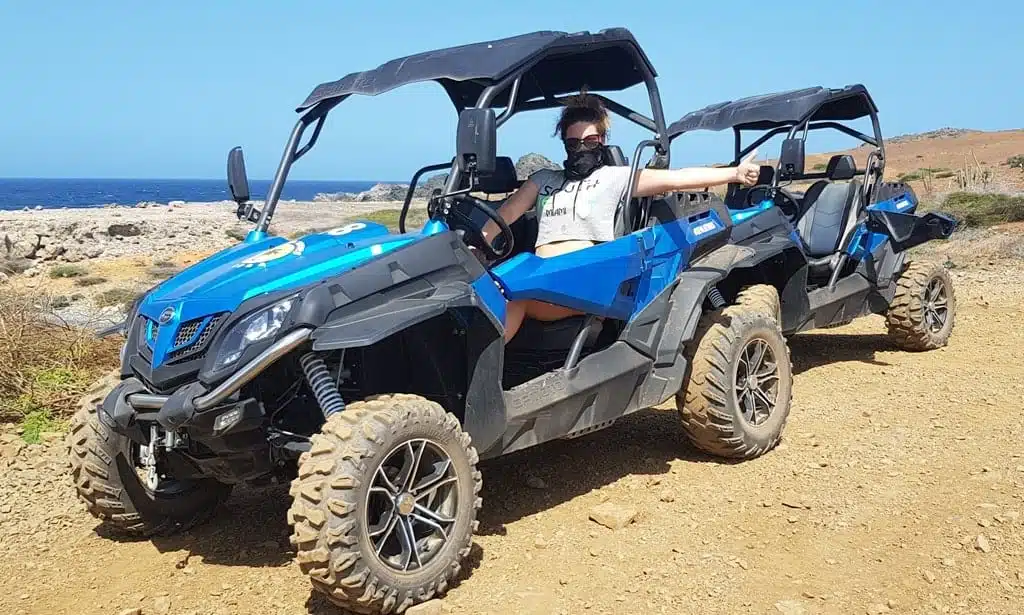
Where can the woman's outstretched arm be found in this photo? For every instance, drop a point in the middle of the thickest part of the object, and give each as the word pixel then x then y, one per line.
pixel 659 181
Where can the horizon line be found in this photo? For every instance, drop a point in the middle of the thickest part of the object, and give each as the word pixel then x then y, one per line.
pixel 3 177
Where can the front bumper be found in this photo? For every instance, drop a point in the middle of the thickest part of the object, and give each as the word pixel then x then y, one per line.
pixel 194 397
pixel 225 433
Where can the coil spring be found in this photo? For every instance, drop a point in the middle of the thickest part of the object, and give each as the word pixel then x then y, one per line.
pixel 715 295
pixel 324 389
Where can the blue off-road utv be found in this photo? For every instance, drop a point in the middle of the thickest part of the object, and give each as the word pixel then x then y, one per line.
pixel 369 368
pixel 837 250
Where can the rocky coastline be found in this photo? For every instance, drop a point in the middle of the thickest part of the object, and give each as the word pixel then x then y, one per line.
pixel 525 166
pixel 33 238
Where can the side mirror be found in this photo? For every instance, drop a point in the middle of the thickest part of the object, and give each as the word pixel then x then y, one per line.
pixel 791 160
pixel 476 141
pixel 237 179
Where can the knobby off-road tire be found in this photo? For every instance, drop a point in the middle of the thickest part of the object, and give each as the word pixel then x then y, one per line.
pixel 763 296
pixel 726 341
pixel 105 479
pixel 923 311
pixel 332 516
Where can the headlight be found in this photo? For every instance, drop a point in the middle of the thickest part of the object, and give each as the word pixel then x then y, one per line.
pixel 256 327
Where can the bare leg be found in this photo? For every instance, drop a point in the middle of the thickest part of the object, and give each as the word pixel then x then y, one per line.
pixel 515 313
pixel 539 310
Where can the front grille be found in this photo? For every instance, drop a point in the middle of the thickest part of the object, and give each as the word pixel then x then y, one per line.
pixel 193 336
pixel 150 329
pixel 187 330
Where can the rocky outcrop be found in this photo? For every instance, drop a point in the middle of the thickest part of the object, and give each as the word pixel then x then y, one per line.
pixel 531 163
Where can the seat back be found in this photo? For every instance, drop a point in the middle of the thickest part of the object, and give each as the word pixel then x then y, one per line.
pixel 625 213
pixel 502 180
pixel 613 156
pixel 828 208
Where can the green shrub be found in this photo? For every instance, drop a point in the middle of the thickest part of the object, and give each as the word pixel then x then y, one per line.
pixel 68 271
pixel 162 273
pixel 238 234
pixel 115 296
pixel 983 209
pixel 15 266
pixel 389 218
pixel 1016 162
pixel 37 422
pixel 91 280
pixel 45 365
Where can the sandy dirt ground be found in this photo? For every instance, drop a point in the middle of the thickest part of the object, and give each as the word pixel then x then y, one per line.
pixel 899 487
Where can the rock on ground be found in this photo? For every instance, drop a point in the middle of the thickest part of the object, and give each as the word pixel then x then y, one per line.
pixel 613 516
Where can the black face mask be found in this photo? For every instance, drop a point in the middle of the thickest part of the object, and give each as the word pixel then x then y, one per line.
pixel 582 163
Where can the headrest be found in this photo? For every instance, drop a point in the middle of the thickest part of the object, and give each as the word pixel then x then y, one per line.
pixel 613 156
pixel 503 180
pixel 841 167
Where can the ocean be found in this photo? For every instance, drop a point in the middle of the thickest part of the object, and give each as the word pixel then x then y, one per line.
pixel 57 193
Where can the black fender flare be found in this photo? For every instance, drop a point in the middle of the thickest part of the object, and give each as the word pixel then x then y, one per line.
pixel 360 325
pixel 678 312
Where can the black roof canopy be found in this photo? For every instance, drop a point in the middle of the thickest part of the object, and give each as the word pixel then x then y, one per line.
pixel 768 111
pixel 553 64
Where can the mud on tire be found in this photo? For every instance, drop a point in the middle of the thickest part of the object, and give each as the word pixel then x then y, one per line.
pixel 342 508
pixel 923 311
pixel 105 479
pixel 727 340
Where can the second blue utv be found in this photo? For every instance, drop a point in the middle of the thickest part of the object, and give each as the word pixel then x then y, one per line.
pixel 838 249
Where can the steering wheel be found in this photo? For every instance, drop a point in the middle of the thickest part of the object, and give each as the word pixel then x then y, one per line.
pixel 466 223
pixel 789 205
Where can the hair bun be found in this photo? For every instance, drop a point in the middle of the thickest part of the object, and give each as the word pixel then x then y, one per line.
pixel 584 100
pixel 583 107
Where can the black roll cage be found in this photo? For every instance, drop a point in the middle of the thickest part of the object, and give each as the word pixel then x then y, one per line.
pixel 805 125
pixel 656 124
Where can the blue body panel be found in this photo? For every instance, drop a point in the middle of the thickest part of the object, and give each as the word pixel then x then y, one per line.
pixel 742 215
pixel 616 279
pixel 866 242
pixel 256 266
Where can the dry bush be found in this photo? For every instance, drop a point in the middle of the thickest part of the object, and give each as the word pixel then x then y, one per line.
pixel 45 363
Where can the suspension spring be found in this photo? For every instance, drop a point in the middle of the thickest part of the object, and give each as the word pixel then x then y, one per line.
pixel 323 386
pixel 715 295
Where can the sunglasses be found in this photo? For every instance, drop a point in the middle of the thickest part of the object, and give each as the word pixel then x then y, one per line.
pixel 589 142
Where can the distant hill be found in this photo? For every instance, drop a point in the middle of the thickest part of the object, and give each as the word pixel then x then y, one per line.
pixel 931 160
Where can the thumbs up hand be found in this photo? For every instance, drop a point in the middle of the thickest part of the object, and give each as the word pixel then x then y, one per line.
pixel 747 171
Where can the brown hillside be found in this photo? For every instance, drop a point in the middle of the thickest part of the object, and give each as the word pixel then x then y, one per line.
pixel 944 155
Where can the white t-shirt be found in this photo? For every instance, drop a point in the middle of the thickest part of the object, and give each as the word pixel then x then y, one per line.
pixel 579 209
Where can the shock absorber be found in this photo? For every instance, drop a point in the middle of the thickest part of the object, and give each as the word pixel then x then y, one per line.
pixel 323 386
pixel 715 295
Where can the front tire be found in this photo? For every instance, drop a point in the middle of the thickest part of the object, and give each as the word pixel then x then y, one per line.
pixel 923 311
pixel 736 398
pixel 385 504
pixel 103 468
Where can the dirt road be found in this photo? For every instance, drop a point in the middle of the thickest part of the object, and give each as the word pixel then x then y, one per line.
pixel 899 488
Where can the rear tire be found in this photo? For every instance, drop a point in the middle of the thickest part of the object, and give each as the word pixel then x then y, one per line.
pixel 923 311
pixel 105 479
pixel 354 504
pixel 725 412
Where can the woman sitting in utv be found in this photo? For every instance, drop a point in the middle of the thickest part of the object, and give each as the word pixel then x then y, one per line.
pixel 576 207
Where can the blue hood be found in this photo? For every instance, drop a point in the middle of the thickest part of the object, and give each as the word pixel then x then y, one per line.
pixel 221 282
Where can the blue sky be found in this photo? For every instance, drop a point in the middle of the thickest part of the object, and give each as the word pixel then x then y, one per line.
pixel 151 90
